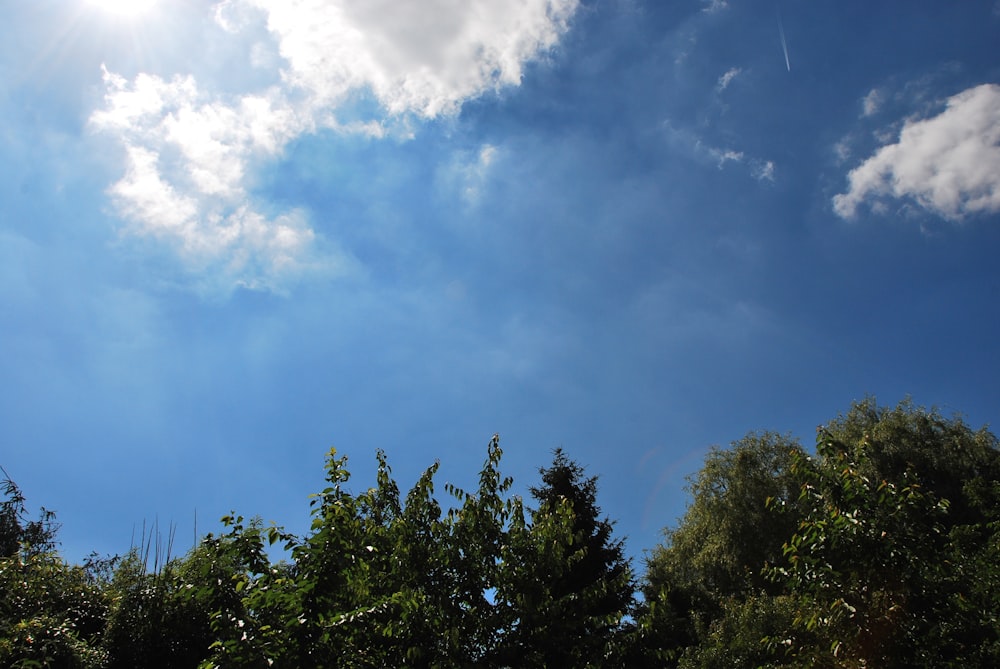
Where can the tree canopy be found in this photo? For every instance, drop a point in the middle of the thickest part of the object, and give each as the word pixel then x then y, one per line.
pixel 878 549
pixel 879 546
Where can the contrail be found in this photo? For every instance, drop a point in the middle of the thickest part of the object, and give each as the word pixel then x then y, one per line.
pixel 784 44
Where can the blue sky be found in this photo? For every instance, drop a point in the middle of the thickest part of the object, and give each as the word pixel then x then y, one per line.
pixel 234 234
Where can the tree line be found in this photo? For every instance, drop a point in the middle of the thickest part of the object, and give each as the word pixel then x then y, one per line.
pixel 878 547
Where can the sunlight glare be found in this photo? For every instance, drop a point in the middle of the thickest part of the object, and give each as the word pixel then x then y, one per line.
pixel 123 8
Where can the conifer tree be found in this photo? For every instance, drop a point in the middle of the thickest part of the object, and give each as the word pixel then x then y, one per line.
pixel 575 585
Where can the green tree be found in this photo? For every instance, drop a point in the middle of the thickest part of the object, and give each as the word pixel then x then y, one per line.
pixel 568 581
pixel 51 614
pixel 716 557
pixel 17 533
pixel 161 618
pixel 378 581
pixel 881 549
pixel 894 559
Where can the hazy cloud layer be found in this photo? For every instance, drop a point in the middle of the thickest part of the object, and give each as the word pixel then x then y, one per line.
pixel 949 164
pixel 189 150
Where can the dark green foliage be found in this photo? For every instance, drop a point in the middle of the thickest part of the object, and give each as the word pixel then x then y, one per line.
pixel 383 581
pixel 724 542
pixel 939 454
pixel 572 585
pixel 380 581
pixel 159 619
pixel 17 533
pixel 879 551
pixel 751 631
pixel 895 554
pixel 51 614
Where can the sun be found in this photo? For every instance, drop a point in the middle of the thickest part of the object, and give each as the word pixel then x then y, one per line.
pixel 123 8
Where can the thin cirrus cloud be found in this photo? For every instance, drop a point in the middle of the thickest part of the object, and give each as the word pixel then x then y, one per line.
pixel 189 149
pixel 689 142
pixel 949 164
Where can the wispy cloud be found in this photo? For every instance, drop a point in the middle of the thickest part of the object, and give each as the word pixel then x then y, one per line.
pixel 872 102
pixel 470 171
pixel 690 142
pixel 762 170
pixel 727 78
pixel 948 164
pixel 190 151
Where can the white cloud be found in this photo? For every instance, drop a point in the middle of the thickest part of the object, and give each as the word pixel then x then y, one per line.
pixel 686 140
pixel 145 197
pixel 871 103
pixel 727 78
pixel 948 164
pixel 184 183
pixel 762 170
pixel 189 151
pixel 239 244
pixel 842 150
pixel 234 15
pixel 723 156
pixel 422 57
